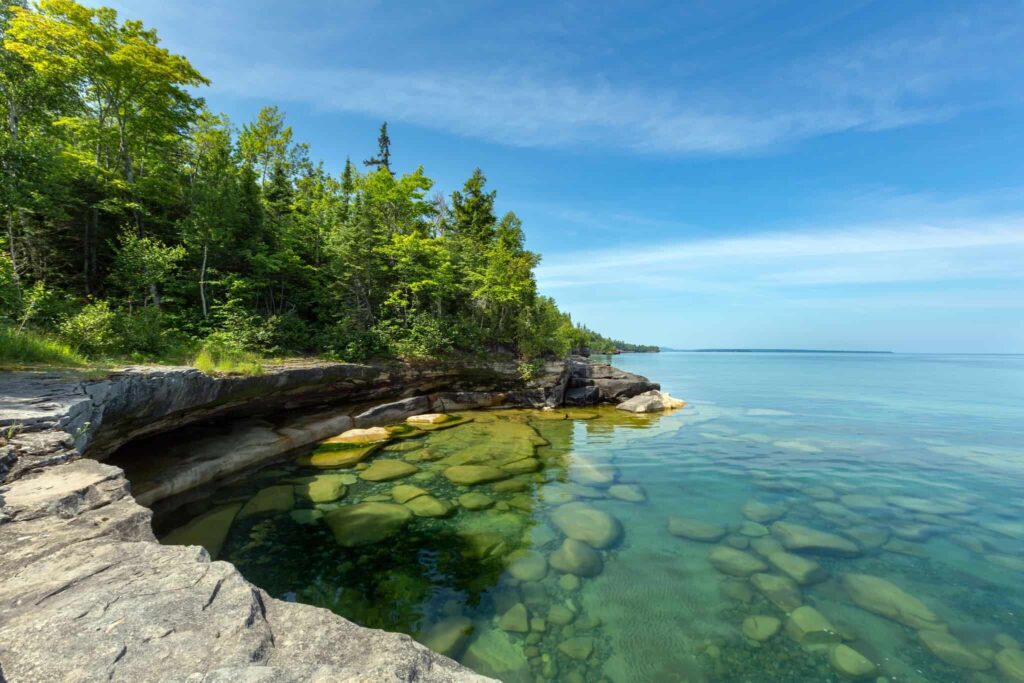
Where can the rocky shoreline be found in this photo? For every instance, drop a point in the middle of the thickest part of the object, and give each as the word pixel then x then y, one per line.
pixel 90 595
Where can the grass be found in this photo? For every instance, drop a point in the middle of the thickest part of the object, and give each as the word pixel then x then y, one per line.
pixel 27 349
pixel 222 361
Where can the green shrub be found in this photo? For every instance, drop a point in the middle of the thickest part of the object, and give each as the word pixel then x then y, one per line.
pixel 142 332
pixel 93 330
pixel 31 348
pixel 426 337
pixel 217 358
pixel 344 341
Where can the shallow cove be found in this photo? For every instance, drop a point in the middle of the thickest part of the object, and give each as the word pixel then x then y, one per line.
pixel 875 451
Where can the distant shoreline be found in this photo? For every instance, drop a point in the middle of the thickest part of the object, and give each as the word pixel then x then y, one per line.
pixel 773 351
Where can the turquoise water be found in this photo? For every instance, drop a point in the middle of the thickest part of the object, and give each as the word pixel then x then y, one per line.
pixel 909 468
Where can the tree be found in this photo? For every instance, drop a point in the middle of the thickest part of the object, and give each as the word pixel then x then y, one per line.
pixel 133 102
pixel 210 192
pixel 383 158
pixel 473 210
pixel 143 262
pixel 267 143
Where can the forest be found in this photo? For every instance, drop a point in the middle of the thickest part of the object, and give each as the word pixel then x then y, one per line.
pixel 138 224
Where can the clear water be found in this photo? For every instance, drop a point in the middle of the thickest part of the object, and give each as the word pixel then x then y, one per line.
pixel 931 449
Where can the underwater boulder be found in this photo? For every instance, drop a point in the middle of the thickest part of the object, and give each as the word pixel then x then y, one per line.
pixel 578 558
pixel 695 530
pixel 366 523
pixel 470 475
pixel 805 539
pixel 210 530
pixel 882 597
pixel 585 523
pixel 386 470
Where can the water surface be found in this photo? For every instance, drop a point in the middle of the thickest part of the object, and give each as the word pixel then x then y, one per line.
pixel 912 466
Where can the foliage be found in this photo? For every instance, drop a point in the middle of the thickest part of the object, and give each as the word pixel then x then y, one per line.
pixel 215 358
pixel 31 348
pixel 92 330
pixel 137 223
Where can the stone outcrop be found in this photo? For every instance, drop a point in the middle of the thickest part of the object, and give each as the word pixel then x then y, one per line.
pixel 88 593
pixel 590 383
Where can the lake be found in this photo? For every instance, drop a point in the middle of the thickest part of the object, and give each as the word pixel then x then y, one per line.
pixel 806 517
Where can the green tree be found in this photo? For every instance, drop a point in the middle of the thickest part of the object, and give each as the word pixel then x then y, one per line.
pixel 134 104
pixel 473 210
pixel 143 263
pixel 383 158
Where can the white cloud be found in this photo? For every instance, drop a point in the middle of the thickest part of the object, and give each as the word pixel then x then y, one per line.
pixel 900 77
pixel 866 254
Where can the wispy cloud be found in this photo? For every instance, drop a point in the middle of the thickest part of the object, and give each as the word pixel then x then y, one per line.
pixel 850 255
pixel 897 79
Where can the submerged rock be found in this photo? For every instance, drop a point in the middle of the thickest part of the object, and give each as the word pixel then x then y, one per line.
pixel 1010 663
pixel 469 475
pixel 805 539
pixel 590 473
pixel 338 455
pixel 569 582
pixel 800 569
pixel 582 522
pixel 929 505
pixel 630 493
pixel 323 488
pixel 808 626
pixel 753 529
pixel 560 615
pixel 515 620
pixel 849 663
pixel 756 511
pixel 576 557
pixel 306 516
pixel 695 530
pixel 766 545
pixel 495 652
pixel 867 536
pixel 885 598
pixel 208 530
pixel 511 486
pixel 779 590
pixel 386 470
pixel 579 647
pixel 523 466
pixel 527 565
pixel 280 498
pixel 475 501
pixel 735 562
pixel 949 649
pixel 428 506
pixel 366 523
pixel 448 636
pixel 403 493
pixel 760 627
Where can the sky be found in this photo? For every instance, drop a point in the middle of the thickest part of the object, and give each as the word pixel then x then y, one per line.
pixel 845 175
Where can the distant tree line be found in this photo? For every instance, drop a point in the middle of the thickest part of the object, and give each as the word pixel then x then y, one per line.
pixel 136 222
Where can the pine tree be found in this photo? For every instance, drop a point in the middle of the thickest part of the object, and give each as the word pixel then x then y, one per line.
pixel 473 210
pixel 383 158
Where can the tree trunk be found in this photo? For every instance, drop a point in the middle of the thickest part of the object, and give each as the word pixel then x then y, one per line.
pixel 14 258
pixel 155 293
pixel 202 282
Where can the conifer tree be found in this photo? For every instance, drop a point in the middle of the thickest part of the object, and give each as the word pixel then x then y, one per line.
pixel 383 158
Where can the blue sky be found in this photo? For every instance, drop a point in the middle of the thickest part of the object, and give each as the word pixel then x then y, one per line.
pixel 745 174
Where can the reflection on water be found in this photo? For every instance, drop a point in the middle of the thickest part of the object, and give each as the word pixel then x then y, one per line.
pixel 812 523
